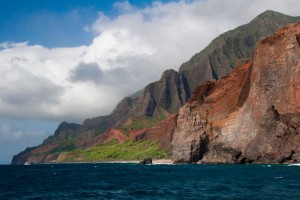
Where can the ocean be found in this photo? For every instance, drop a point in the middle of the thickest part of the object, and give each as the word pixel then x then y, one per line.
pixel 136 181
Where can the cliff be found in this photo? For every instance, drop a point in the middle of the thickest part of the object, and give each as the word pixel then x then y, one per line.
pixel 167 95
pixel 60 141
pixel 212 63
pixel 222 54
pixel 250 116
pixel 140 116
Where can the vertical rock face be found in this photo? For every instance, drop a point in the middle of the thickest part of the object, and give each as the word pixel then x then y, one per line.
pixel 201 118
pixel 274 97
pixel 167 94
pixel 252 115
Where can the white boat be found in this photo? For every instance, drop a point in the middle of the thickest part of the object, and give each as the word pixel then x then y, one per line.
pixel 27 163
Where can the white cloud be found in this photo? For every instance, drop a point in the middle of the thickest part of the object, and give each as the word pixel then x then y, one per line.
pixel 129 51
pixel 124 6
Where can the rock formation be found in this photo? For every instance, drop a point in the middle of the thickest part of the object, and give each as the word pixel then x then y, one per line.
pixel 252 115
pixel 168 94
pixel 163 98
pixel 165 95
pixel 147 161
pixel 42 153
pixel 215 61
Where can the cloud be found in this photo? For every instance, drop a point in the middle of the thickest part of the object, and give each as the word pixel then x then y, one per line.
pixel 87 72
pixel 27 89
pixel 129 51
pixel 124 7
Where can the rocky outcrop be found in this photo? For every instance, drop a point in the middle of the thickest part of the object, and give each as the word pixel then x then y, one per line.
pixel 201 118
pixel 147 161
pixel 63 131
pixel 66 126
pixel 252 115
pixel 163 96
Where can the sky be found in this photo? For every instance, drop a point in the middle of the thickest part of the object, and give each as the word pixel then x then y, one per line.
pixel 76 59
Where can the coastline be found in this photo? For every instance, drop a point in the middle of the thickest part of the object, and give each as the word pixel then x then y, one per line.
pixel 154 162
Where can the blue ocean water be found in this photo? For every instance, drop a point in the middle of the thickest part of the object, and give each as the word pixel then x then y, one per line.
pixel 135 181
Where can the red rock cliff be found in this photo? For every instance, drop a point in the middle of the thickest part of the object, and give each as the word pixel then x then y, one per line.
pixel 252 115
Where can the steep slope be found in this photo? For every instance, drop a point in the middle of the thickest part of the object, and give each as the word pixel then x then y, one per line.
pixel 165 95
pixel 222 54
pixel 60 141
pixel 215 61
pixel 252 115
pixel 168 94
pixel 162 98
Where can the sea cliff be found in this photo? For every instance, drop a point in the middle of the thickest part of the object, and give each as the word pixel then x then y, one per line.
pixel 250 116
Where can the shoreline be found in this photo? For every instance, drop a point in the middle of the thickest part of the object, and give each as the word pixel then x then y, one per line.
pixel 154 162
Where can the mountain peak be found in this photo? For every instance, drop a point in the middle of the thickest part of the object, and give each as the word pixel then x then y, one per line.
pixel 271 15
pixel 65 126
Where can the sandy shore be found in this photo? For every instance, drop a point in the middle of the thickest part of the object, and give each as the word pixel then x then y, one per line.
pixel 162 161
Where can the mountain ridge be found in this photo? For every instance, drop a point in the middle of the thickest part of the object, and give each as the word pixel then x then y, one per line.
pixel 159 99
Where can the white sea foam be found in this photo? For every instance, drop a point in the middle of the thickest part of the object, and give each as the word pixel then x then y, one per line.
pixel 157 163
pixel 296 164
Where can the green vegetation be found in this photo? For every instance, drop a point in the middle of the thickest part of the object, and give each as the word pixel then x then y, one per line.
pixel 143 122
pixel 66 146
pixel 101 130
pixel 113 150
pixel 140 123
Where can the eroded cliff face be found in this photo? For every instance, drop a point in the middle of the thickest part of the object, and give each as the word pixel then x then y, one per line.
pixel 162 97
pixel 252 115
pixel 200 120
